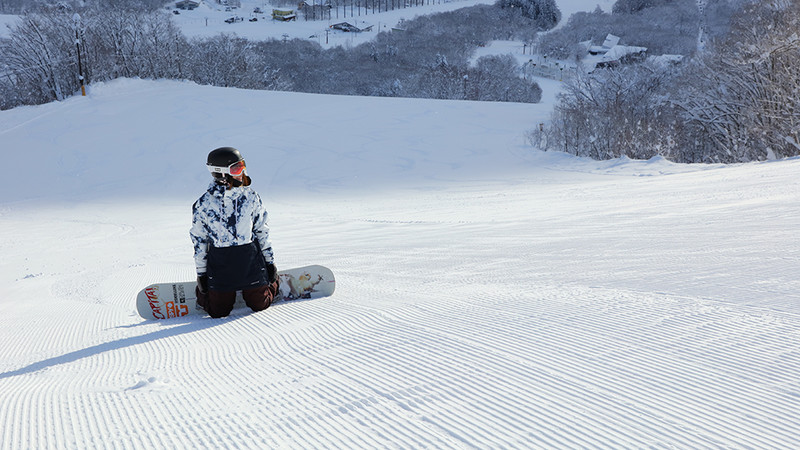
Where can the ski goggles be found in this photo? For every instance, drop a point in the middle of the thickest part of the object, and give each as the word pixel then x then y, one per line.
pixel 234 169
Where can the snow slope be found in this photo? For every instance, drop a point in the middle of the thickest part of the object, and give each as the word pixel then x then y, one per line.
pixel 488 296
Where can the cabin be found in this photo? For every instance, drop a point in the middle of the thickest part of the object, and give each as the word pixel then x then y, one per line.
pixel 622 54
pixel 187 4
pixel 610 42
pixel 347 27
pixel 283 16
pixel 612 54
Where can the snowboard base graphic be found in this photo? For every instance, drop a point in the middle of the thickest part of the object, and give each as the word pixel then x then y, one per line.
pixel 168 300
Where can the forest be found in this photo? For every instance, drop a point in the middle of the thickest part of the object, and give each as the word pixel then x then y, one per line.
pixel 732 98
pixel 735 98
pixel 430 59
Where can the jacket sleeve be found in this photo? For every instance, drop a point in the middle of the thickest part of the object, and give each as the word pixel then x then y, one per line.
pixel 199 235
pixel 261 230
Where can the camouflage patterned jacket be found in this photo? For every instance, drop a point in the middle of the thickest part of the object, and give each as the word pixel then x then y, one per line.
pixel 223 218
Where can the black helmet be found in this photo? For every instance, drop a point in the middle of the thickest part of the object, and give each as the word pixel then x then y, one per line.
pixel 222 164
pixel 224 157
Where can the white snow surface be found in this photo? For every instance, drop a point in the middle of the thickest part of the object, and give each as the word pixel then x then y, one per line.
pixel 488 295
pixel 6 22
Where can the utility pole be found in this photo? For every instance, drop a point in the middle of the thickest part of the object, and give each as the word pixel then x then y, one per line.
pixel 76 19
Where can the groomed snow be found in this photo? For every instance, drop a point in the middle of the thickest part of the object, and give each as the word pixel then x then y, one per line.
pixel 487 295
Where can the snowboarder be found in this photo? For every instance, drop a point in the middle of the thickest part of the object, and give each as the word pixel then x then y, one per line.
pixel 232 250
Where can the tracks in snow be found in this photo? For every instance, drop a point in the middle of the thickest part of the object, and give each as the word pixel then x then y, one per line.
pixel 553 366
pixel 445 331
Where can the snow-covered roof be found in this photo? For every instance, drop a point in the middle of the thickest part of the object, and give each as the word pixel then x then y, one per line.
pixel 610 42
pixel 618 51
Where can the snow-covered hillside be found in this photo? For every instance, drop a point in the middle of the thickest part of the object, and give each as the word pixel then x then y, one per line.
pixel 488 296
pixel 209 20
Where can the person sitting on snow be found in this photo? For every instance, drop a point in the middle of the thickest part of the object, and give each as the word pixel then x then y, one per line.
pixel 232 250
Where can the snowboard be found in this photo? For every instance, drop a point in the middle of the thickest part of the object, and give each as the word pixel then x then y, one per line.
pixel 168 300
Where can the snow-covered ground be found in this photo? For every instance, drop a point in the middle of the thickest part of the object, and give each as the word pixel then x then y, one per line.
pixel 6 21
pixel 209 20
pixel 488 296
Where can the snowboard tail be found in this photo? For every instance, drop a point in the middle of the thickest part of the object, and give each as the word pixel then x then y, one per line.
pixel 169 300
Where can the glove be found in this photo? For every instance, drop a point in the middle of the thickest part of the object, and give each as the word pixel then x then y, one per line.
pixel 272 273
pixel 202 283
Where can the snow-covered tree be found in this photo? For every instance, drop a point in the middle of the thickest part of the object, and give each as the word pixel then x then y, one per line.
pixel 544 12
pixel 611 113
pixel 41 57
pixel 134 43
pixel 635 6
pixel 220 61
pixel 663 29
pixel 739 100
pixel 742 98
pixel 496 78
pixel 442 81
